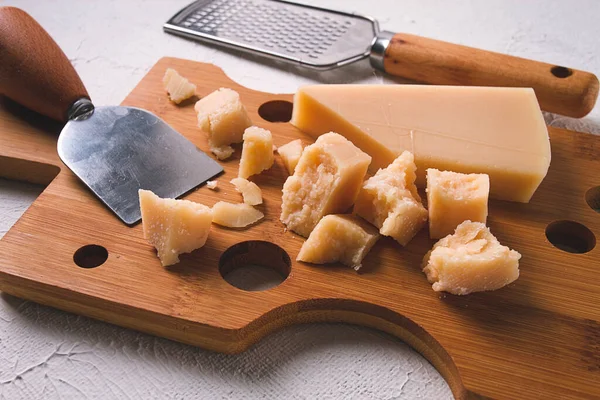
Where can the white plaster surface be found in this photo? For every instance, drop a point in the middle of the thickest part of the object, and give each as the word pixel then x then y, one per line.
pixel 45 353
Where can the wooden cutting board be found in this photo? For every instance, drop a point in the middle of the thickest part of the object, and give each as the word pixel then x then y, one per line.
pixel 537 338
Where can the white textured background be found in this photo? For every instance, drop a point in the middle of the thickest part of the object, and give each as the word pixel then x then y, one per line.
pixel 45 353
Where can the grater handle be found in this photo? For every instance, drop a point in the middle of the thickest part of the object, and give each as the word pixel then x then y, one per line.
pixel 33 69
pixel 558 89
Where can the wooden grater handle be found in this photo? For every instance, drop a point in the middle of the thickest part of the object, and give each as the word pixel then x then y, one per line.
pixel 558 89
pixel 33 69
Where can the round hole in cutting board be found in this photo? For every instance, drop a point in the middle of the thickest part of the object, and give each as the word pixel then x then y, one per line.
pixel 276 111
pixel 90 256
pixel 254 265
pixel 592 197
pixel 561 72
pixel 570 236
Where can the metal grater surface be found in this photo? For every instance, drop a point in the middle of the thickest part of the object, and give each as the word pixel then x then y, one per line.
pixel 310 36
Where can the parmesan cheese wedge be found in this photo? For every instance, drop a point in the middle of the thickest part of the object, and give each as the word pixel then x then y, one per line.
pixel 343 238
pixel 178 88
pixel 223 117
pixel 250 191
pixel 257 152
pixel 173 226
pixel 470 260
pixel 389 200
pixel 235 215
pixel 290 154
pixel 497 131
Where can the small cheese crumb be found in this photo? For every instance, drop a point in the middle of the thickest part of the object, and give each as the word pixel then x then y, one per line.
pixel 212 185
pixel 177 86
pixel 343 238
pixel 389 200
pixel 250 191
pixel 257 152
pixel 470 260
pixel 326 181
pixel 290 154
pixel 222 152
pixel 223 117
pixel 173 226
pixel 453 198
pixel 235 215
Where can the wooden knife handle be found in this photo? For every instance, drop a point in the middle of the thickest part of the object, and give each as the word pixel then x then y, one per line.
pixel 33 69
pixel 559 89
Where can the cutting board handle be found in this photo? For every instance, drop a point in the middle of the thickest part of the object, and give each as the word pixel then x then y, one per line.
pixel 558 89
pixel 33 69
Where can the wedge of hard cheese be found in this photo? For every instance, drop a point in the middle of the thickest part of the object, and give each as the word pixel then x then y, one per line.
pixel 496 131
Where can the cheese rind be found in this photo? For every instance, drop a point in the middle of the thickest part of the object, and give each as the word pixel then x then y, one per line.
pixel 470 260
pixel 496 131
pixel 343 238
pixel 326 181
pixel 453 197
pixel 389 200
pixel 257 152
pixel 235 215
pixel 290 154
pixel 223 117
pixel 178 88
pixel 250 191
pixel 173 226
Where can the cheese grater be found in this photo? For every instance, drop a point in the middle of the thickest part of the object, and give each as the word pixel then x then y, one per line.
pixel 310 36
pixel 319 38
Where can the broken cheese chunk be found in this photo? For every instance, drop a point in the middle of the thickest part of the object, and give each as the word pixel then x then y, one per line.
pixel 257 152
pixel 326 181
pixel 222 115
pixel 343 238
pixel 250 191
pixel 497 131
pixel 173 226
pixel 235 215
pixel 470 260
pixel 290 154
pixel 389 200
pixel 453 197
pixel 178 88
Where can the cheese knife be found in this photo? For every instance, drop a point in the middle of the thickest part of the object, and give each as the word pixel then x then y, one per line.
pixel 114 150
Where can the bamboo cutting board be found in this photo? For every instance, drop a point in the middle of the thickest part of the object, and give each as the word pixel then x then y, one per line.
pixel 537 338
